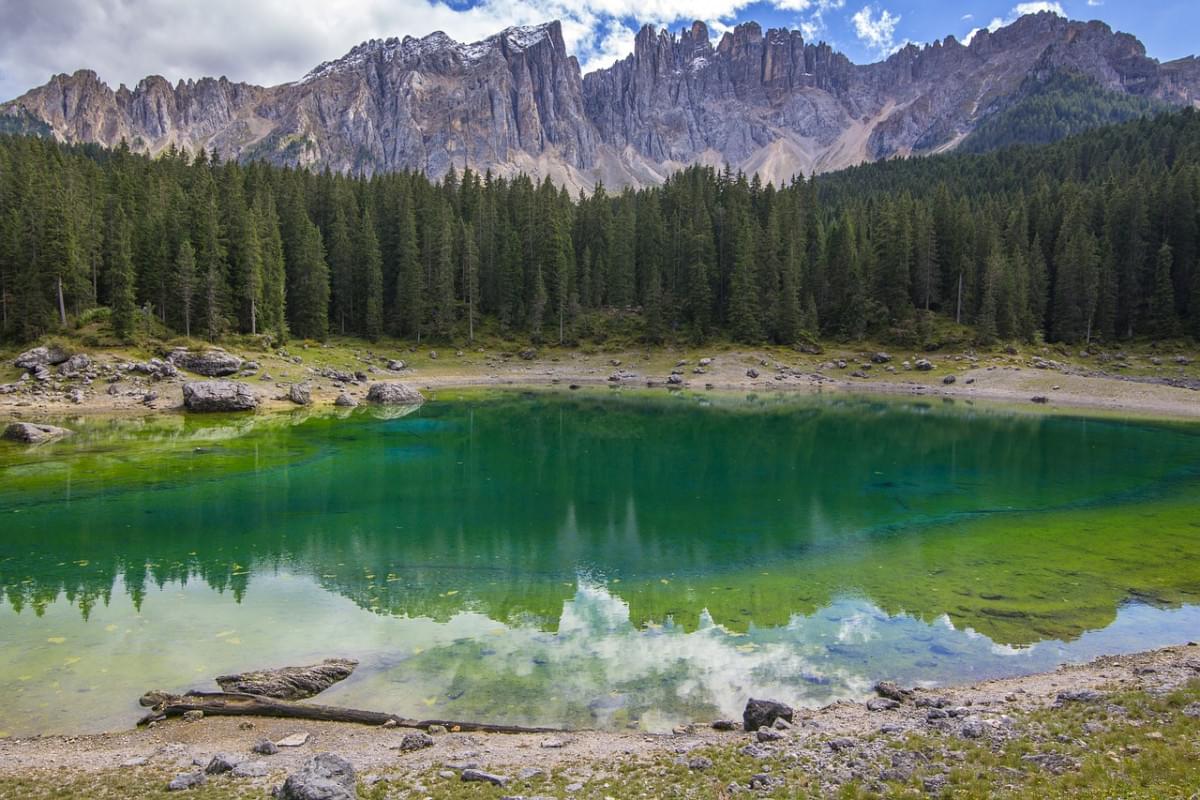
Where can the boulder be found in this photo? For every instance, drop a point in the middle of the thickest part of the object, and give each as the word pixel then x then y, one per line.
pixel 187 780
pixel 323 777
pixel 892 691
pixel 396 365
pixel 881 358
pixel 528 354
pixel 394 394
pixel 214 363
pixel 752 373
pixel 923 364
pixel 300 394
pixel 47 355
pixel 415 741
pixel 265 748
pixel 949 379
pixel 34 433
pixel 290 683
pixel 218 396
pixel 222 763
pixel 75 365
pixel 763 713
pixel 675 380
pixel 479 776
pixel 344 400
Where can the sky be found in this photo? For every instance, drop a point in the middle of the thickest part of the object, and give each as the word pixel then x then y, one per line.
pixel 274 41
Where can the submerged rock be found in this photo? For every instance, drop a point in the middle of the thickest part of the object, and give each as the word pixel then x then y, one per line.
pixel 323 777
pixel 214 363
pixel 34 433
pixel 763 713
pixel 218 396
pixel 394 393
pixel 290 683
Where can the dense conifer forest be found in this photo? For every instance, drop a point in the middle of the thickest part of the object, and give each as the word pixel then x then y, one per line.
pixel 1093 238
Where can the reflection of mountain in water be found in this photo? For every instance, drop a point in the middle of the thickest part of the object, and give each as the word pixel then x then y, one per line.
pixel 751 512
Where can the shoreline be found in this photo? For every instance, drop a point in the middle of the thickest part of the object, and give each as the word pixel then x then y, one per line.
pixel 992 711
pixel 996 378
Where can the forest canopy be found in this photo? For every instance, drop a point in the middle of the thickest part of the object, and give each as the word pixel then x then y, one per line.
pixel 1096 237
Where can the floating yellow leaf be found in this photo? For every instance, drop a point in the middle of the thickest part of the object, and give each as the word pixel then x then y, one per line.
pixel 451 593
pixel 24 677
pixel 69 660
pixel 233 640
pixel 430 701
pixel 223 634
pixel 663 580
pixel 56 639
pixel 110 628
pixel 418 650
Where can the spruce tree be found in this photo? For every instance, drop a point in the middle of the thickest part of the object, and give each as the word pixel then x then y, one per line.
pixel 372 267
pixel 185 282
pixel 120 277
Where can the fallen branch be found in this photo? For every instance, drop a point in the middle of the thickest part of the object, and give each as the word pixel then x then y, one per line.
pixel 234 704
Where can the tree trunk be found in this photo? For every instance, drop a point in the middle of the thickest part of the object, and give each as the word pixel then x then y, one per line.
pixel 958 311
pixel 232 704
pixel 62 308
pixel 253 321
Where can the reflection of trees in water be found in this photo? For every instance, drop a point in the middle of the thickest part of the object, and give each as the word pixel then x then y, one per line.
pixel 498 508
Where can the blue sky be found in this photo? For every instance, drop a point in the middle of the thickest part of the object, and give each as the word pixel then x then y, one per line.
pixel 273 41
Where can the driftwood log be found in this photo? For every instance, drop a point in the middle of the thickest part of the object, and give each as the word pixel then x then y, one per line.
pixel 289 683
pixel 235 704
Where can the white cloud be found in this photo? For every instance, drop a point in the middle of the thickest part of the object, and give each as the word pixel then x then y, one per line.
pixel 1020 10
pixel 273 41
pixel 877 32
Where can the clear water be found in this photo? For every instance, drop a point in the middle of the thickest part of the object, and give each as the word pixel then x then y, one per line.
pixel 597 560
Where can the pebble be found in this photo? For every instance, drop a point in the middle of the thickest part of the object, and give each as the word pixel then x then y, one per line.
pixel 295 740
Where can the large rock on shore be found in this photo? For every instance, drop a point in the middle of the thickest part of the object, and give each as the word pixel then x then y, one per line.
pixel 45 356
pixel 290 683
pixel 212 363
pixel 34 433
pixel 218 396
pixel 763 713
pixel 323 777
pixel 394 393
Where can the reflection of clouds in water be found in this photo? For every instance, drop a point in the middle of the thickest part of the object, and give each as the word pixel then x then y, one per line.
pixel 858 628
pixel 709 667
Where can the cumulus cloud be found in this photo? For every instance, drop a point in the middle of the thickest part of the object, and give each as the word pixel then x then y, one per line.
pixel 877 32
pixel 1020 10
pixel 272 41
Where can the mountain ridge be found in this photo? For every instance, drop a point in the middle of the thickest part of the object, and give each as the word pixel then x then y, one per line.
pixel 764 102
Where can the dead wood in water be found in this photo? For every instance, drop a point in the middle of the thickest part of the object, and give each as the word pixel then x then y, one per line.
pixel 234 704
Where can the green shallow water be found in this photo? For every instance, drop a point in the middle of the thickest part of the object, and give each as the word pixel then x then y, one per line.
pixel 597 560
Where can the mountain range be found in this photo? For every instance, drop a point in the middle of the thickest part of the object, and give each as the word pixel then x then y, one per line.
pixel 767 103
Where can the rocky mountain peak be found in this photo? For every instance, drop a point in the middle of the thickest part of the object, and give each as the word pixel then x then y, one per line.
pixel 766 102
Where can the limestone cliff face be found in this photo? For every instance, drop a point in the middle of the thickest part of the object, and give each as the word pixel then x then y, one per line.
pixel 768 102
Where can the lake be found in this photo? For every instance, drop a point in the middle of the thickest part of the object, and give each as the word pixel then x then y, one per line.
pixel 597 559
